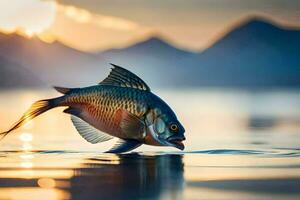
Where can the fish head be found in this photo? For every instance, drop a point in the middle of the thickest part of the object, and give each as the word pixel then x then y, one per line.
pixel 166 130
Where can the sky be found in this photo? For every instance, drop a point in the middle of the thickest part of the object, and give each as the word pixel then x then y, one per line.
pixel 95 25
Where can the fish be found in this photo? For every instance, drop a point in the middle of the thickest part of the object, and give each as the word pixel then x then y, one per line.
pixel 121 106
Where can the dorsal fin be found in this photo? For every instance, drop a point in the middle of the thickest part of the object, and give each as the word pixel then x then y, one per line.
pixel 123 78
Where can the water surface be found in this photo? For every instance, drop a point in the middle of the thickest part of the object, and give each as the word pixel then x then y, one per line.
pixel 240 145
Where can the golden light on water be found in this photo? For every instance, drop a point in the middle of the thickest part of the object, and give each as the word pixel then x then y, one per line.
pixel 26 146
pixel 26 137
pixel 29 173
pixel 26 161
pixel 33 193
pixel 26 156
pixel 27 164
pixel 46 182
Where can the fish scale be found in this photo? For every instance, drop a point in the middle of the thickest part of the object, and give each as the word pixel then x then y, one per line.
pixel 102 102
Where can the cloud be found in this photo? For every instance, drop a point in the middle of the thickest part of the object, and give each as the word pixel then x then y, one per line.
pixel 88 31
pixel 76 27
pixel 84 16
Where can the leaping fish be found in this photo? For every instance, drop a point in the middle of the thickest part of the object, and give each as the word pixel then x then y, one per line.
pixel 121 106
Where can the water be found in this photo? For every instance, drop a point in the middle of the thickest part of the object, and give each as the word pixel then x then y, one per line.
pixel 240 145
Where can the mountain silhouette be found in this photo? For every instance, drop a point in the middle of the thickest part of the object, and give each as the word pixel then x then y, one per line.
pixel 13 75
pixel 153 45
pixel 55 63
pixel 157 59
pixel 254 54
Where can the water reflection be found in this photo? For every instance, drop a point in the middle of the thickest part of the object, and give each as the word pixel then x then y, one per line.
pixel 130 176
pixel 261 123
pixel 135 177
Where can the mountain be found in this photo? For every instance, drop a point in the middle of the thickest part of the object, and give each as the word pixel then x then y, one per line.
pixel 256 53
pixel 155 58
pixel 55 63
pixel 150 46
pixel 15 76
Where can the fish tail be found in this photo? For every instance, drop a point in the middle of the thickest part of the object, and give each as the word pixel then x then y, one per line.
pixel 35 110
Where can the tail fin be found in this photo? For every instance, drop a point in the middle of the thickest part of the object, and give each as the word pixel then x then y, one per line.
pixel 36 109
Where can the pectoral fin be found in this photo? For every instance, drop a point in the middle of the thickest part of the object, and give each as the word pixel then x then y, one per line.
pixel 124 145
pixel 88 132
pixel 130 125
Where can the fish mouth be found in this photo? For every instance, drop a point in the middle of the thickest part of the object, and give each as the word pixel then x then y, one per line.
pixel 177 142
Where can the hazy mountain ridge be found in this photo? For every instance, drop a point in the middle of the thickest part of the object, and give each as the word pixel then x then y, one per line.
pixel 150 46
pixel 13 75
pixel 254 54
pixel 55 63
pixel 153 59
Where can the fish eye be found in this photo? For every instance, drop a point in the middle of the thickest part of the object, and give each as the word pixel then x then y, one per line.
pixel 173 127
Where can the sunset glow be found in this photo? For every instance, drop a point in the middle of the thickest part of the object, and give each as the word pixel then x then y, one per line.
pixel 84 16
pixel 28 17
pixel 149 99
pixel 94 27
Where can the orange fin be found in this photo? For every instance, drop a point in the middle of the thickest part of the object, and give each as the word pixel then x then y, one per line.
pixel 35 110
